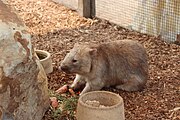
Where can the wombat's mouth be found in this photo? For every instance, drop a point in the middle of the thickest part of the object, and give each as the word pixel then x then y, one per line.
pixel 65 69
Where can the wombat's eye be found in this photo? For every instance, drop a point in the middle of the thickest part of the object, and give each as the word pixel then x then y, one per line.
pixel 74 60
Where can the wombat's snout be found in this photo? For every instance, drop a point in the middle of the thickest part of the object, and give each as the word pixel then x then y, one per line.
pixel 64 68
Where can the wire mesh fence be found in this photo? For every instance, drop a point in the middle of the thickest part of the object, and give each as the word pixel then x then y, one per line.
pixel 156 17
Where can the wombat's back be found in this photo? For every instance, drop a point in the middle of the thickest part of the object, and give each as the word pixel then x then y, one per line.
pixel 121 59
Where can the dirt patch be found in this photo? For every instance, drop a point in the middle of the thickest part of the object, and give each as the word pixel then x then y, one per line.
pixel 56 29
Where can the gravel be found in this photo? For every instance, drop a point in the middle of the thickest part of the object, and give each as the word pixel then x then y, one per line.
pixel 56 29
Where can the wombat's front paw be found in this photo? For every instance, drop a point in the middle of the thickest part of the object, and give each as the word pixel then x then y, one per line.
pixel 77 86
pixel 73 86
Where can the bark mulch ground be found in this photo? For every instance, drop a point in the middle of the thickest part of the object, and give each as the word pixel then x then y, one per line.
pixel 56 29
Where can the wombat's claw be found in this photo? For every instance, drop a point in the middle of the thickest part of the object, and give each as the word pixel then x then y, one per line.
pixel 72 86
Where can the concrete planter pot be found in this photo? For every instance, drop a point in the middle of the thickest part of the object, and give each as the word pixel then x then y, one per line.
pixel 111 106
pixel 45 60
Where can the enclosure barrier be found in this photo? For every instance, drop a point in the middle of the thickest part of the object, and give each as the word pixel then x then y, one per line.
pixel 160 18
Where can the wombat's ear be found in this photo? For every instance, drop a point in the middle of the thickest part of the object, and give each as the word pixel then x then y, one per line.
pixel 92 51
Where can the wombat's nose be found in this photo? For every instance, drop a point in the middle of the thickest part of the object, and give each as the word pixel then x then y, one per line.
pixel 64 68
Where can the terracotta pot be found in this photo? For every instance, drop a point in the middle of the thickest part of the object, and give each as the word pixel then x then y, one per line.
pixel 110 106
pixel 45 60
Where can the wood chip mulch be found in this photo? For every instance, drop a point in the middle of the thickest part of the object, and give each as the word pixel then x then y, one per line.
pixel 56 29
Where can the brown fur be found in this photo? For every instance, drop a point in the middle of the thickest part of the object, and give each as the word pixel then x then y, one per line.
pixel 122 64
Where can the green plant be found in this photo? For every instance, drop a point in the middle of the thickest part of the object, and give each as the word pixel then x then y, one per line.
pixel 66 108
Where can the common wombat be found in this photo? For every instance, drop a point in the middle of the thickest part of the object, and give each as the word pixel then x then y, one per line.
pixel 122 64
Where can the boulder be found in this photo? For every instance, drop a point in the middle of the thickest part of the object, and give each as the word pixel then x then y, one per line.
pixel 23 82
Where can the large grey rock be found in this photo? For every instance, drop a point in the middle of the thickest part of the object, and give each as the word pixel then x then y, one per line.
pixel 23 82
